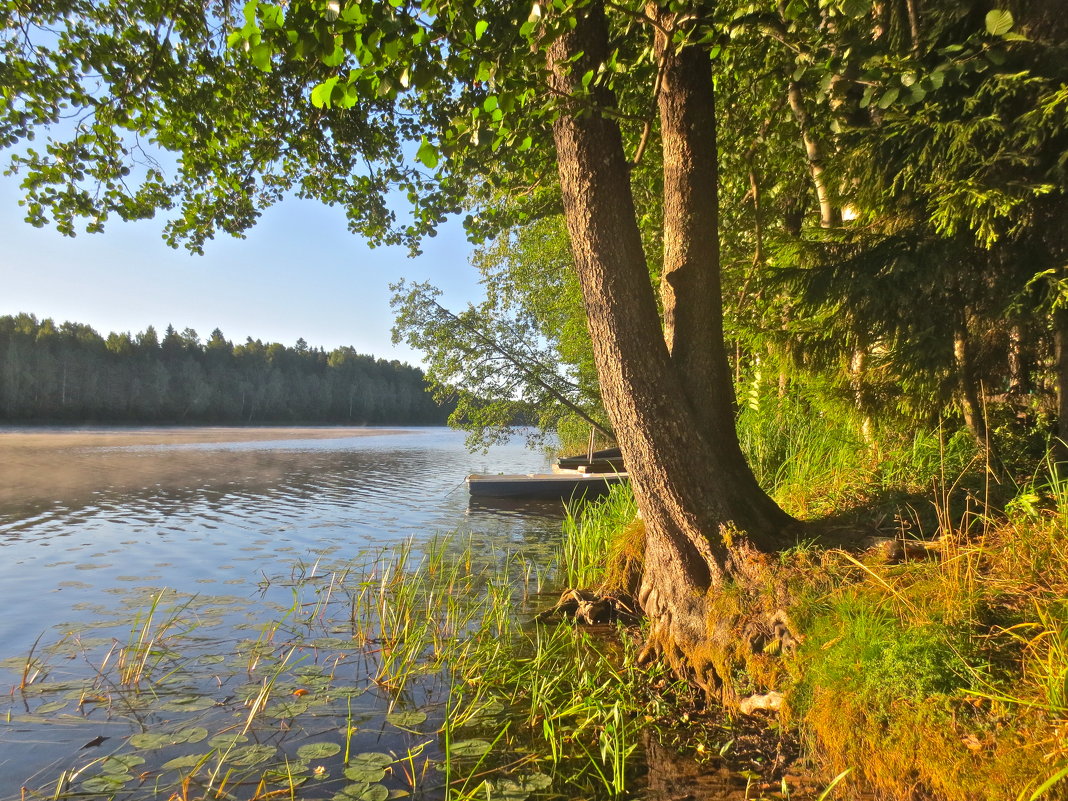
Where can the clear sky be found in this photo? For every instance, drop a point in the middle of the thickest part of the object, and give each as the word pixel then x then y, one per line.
pixel 299 273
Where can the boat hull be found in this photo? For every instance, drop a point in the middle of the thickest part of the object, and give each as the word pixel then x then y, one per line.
pixel 542 485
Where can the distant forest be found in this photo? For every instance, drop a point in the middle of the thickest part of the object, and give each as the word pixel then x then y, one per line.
pixel 70 373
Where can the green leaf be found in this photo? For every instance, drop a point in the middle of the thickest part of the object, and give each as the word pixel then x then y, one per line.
pixel 470 748
pixel 856 9
pixel 251 754
pixel 335 57
pixel 361 791
pixel 224 741
pixel 106 784
pixel 480 29
pixel 368 767
pixel 261 56
pixel 121 763
pixel 318 750
pixel 427 154
pixel 408 718
pixel 999 21
pixel 193 734
pixel 321 95
pixel 889 96
pixel 187 761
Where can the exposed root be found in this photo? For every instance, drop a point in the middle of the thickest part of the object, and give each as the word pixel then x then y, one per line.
pixel 768 702
pixel 729 640
pixel 590 608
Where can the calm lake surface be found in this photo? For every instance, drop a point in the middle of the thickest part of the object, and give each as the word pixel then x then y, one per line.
pixel 94 524
pixel 85 516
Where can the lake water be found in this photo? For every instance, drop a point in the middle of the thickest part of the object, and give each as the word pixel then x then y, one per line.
pixel 157 582
pixel 94 524
pixel 85 515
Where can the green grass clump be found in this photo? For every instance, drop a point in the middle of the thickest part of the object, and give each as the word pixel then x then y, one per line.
pixel 602 543
pixel 943 678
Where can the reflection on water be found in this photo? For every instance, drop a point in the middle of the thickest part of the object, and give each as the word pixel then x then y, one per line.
pixel 83 515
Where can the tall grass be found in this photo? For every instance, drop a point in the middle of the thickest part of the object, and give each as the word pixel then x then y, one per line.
pixel 595 532
pixel 947 674
pixel 817 455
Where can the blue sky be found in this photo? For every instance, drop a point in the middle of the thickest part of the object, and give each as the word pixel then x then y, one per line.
pixel 299 273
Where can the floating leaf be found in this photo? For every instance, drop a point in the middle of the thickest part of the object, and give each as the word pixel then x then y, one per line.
pixel 121 763
pixel 251 754
pixel 287 709
pixel 148 740
pixel 318 750
pixel 187 703
pixel 469 748
pixel 187 761
pixel 406 719
pixel 348 692
pixel 224 741
pixel 193 734
pixel 362 791
pixel 291 776
pixel 369 767
pixel 106 784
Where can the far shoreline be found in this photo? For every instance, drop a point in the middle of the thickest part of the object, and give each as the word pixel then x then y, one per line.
pixel 104 436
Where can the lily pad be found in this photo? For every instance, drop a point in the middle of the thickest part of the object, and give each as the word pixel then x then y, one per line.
pixel 362 791
pixel 407 718
pixel 119 764
pixel 289 708
pixel 469 748
pixel 294 776
pixel 347 691
pixel 369 767
pixel 251 754
pixel 187 761
pixel 187 703
pixel 511 790
pixel 318 750
pixel 149 740
pixel 108 783
pixel 224 741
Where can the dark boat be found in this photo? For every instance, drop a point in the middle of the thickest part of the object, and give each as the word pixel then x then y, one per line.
pixel 609 460
pixel 572 477
pixel 563 485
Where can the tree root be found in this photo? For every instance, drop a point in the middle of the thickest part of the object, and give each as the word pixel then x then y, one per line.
pixel 590 608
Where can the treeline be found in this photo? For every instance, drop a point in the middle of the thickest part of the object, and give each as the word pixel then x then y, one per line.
pixel 71 373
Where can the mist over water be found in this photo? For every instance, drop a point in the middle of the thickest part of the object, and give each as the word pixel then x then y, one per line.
pixel 86 516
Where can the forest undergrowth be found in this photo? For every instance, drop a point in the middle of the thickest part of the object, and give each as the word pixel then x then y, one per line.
pixel 928 602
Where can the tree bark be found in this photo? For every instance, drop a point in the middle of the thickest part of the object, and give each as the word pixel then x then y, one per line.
pixel 1060 337
pixel 671 404
pixel 829 215
pixel 971 400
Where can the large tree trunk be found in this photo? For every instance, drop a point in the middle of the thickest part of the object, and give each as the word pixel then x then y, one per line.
pixel 670 400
